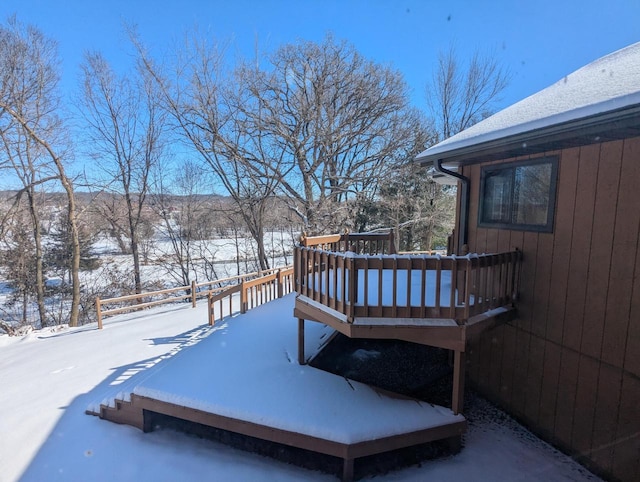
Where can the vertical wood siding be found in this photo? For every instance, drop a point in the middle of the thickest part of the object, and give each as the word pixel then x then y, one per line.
pixel 569 366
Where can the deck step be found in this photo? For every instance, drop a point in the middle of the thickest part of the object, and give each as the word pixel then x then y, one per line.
pixel 143 413
pixel 124 412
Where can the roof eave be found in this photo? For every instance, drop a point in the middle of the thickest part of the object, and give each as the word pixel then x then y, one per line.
pixel 611 125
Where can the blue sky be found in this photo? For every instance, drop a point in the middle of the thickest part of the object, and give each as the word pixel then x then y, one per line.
pixel 538 41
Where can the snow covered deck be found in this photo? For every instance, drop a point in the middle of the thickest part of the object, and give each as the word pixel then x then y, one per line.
pixel 357 285
pixel 433 300
pixel 244 378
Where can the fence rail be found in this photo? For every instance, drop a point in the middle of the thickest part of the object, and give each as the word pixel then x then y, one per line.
pixel 407 286
pixel 216 288
pixel 252 293
pixel 361 243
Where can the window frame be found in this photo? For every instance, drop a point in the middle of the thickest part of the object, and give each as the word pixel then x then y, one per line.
pixel 551 208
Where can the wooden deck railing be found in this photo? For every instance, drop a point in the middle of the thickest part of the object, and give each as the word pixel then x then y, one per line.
pixel 407 286
pixel 252 293
pixel 216 288
pixel 361 243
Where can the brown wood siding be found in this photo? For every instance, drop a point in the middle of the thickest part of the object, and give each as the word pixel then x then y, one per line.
pixel 562 236
pixel 508 362
pixel 587 160
pixel 569 365
pixel 625 247
pixel 521 365
pixel 566 397
pixel 626 458
pixel 549 390
pixel 601 247
pixel 473 213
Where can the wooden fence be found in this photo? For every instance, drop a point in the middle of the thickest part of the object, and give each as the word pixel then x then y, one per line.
pixel 407 286
pixel 217 288
pixel 252 293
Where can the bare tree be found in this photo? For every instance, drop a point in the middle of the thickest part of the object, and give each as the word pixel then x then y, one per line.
pixel 32 137
pixel 110 209
pixel 207 108
pixel 184 212
pixel 459 96
pixel 420 211
pixel 340 121
pixel 125 126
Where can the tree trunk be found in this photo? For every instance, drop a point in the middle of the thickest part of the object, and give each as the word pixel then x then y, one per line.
pixel 37 240
pixel 25 301
pixel 262 252
pixel 75 246
pixel 133 236
pixel 136 265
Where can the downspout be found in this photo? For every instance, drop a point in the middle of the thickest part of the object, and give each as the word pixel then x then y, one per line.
pixel 463 233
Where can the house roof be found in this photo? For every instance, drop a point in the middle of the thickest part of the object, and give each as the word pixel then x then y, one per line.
pixel 598 102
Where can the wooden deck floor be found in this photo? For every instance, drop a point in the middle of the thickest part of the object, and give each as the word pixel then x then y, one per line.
pixel 243 378
pixel 140 411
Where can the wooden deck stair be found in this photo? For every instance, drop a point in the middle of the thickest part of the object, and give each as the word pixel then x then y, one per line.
pixel 124 412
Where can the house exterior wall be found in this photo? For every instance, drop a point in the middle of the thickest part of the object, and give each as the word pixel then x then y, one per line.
pixel 569 365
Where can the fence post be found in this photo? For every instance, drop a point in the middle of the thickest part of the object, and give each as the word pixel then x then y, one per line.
pixel 243 297
pixel 454 288
pixel 351 290
pixel 99 312
pixel 210 308
pixel 297 269
pixel 193 294
pixel 466 294
pixel 279 282
pixel 301 360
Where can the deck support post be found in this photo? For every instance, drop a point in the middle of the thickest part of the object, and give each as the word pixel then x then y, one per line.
pixel 457 399
pixel 301 359
pixel 347 470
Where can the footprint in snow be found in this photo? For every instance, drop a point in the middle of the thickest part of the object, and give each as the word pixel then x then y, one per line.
pixel 63 369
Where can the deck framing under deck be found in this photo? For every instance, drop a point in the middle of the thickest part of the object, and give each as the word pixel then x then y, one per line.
pixel 441 333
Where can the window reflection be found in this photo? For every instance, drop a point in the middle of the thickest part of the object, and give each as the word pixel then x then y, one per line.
pixel 519 195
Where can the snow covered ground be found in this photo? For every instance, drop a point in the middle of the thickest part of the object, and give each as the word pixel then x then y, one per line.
pixel 212 259
pixel 50 377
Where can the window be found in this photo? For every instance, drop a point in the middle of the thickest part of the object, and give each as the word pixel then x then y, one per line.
pixel 519 195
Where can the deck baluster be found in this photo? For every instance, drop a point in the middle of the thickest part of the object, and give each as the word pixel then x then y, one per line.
pixel 358 285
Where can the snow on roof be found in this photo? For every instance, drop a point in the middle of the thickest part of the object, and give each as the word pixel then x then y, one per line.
pixel 607 84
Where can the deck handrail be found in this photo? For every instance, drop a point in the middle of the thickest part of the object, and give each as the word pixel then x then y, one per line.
pixel 192 292
pixel 360 243
pixel 444 287
pixel 252 292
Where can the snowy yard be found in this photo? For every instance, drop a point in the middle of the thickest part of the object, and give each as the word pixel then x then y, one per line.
pixel 51 377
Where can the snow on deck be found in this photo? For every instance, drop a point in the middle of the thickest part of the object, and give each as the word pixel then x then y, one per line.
pixel 248 371
pixel 380 290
